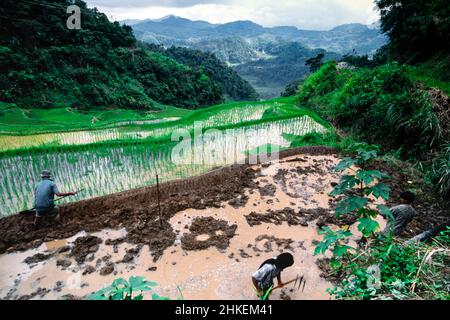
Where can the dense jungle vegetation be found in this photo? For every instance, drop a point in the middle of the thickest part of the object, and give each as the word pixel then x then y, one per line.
pixel 44 64
pixel 398 99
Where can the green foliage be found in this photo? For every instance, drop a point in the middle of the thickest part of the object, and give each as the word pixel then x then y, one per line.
pixel 121 289
pixel 382 104
pixel 403 271
pixel 232 84
pixel 440 171
pixel 292 88
pixel 265 295
pixel 434 73
pixel 417 28
pixel 328 138
pixel 335 240
pixel 315 63
pixel 44 64
pixel 359 61
pixel 384 269
pixel 364 183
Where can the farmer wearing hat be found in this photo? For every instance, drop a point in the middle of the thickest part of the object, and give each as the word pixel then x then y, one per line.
pixel 45 192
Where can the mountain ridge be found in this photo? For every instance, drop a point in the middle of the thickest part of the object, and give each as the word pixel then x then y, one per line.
pixel 342 39
pixel 256 52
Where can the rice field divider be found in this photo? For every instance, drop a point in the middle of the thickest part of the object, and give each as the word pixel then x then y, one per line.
pixel 163 139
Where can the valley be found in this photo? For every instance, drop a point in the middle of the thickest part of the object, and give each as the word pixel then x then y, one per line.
pixel 268 58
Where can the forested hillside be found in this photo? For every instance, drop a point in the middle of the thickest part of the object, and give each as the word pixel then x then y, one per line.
pixel 400 98
pixel 232 84
pixel 44 64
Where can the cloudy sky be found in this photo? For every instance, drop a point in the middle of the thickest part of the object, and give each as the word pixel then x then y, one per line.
pixel 306 14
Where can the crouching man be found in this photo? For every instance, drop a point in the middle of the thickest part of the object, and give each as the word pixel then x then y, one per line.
pixel 402 215
pixel 44 195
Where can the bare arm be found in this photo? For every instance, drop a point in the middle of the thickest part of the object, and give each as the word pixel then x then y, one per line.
pixel 280 283
pixel 59 194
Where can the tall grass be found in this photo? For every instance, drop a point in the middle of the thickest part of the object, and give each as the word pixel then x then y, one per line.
pixel 384 105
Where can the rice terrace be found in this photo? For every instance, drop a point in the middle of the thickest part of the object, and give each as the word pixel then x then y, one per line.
pixel 129 155
pixel 161 159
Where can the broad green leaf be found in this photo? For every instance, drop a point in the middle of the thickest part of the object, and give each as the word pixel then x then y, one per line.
pixel 380 190
pixel 140 284
pixel 325 230
pixel 342 234
pixel 139 297
pixel 366 155
pixel 158 297
pixel 350 204
pixel 367 213
pixel 120 282
pixel 334 264
pixel 367 226
pixel 117 295
pixel 385 212
pixel 345 164
pixel 346 183
pixel 321 247
pixel 369 176
pixel 340 250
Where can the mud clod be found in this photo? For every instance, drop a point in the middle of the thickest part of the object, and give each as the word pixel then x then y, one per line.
pixel 63 249
pixel 70 297
pixel 239 202
pixel 40 292
pixel 88 270
pixel 58 286
pixel 208 226
pixel 63 263
pixel 107 269
pixel 39 257
pixel 268 243
pixel 131 254
pixel 268 190
pixel 83 247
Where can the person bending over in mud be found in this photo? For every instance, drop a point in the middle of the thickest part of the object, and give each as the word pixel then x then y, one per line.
pixel 44 195
pixel 263 278
pixel 403 214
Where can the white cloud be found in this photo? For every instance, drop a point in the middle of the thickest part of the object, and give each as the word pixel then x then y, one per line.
pixel 306 14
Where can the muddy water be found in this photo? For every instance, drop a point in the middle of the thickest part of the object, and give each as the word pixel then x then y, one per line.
pixel 205 274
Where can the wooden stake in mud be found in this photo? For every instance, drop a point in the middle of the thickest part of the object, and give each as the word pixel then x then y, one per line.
pixel 159 201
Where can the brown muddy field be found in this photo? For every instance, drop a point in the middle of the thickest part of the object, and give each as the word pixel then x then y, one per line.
pixel 215 231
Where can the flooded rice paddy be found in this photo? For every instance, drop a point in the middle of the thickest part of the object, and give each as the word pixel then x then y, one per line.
pixel 104 170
